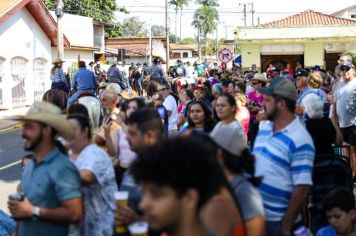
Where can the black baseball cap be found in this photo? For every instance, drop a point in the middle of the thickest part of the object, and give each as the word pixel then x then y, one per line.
pixel 303 73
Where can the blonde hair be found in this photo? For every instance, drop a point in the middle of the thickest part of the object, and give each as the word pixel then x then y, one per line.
pixel 315 81
pixel 241 97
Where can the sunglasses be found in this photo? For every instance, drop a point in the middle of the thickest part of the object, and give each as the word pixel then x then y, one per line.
pixel 162 89
pixel 345 68
pixel 255 82
pixel 198 92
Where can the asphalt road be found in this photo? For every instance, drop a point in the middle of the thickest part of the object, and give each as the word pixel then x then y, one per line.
pixel 11 152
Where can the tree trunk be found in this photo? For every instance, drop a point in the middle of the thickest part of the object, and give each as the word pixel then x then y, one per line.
pixel 180 24
pixel 175 34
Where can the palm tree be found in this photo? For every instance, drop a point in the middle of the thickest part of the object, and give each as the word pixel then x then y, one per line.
pixel 211 3
pixel 176 7
pixel 205 18
pixel 181 4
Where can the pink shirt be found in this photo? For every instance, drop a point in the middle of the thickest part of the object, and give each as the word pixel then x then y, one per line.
pixel 243 115
pixel 257 100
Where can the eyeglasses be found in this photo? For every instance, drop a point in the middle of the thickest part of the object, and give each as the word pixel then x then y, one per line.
pixel 345 68
pixel 198 92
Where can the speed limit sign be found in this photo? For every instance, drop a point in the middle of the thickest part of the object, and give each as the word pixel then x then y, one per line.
pixel 225 55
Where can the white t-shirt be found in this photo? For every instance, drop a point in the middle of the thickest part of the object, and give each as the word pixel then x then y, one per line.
pixel 126 155
pixel 341 95
pixel 171 105
pixel 98 198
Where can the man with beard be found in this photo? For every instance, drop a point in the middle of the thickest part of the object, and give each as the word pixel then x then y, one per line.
pixel 50 182
pixel 284 154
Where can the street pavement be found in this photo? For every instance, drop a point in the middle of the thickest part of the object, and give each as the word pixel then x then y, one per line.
pixel 11 152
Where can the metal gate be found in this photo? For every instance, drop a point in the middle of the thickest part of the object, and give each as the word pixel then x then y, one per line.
pixel 39 77
pixel 2 60
pixel 18 72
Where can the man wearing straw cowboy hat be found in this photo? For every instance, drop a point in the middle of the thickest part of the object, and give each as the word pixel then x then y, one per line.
pixel 57 76
pixel 50 182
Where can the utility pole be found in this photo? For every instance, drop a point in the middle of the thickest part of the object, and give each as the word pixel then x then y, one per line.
pixel 216 40
pixel 258 21
pixel 252 12
pixel 199 44
pixel 167 38
pixel 244 11
pixel 150 43
pixel 59 14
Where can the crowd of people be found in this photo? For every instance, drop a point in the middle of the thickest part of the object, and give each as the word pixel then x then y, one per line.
pixel 209 151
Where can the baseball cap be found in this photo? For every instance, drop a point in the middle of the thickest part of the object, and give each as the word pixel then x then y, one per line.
pixel 316 67
pixel 199 86
pixel 347 64
pixel 230 137
pixel 281 87
pixel 302 73
pixel 276 69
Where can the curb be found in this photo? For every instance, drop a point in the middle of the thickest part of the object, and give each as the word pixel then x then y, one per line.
pixel 11 128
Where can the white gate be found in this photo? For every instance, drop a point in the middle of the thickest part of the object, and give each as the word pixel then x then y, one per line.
pixel 18 72
pixel 2 60
pixel 39 77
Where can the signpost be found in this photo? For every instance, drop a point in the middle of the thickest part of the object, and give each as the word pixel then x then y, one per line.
pixel 225 56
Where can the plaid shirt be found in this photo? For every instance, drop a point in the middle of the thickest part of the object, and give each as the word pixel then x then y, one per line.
pixel 58 76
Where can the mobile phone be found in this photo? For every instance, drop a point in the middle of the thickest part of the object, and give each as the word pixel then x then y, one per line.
pixel 17 196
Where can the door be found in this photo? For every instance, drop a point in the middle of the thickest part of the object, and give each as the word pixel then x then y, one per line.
pixel 39 77
pixel 18 72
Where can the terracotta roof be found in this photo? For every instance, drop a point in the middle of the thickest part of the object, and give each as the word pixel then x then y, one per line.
pixel 133 49
pixel 308 18
pixel 38 11
pixel 174 46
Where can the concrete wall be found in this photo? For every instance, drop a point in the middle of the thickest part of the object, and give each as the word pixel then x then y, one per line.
pixel 314 54
pixel 21 36
pixel 190 54
pixel 71 57
pixel 250 54
pixel 78 29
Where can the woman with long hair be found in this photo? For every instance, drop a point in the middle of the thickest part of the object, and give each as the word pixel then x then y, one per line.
pixel 199 118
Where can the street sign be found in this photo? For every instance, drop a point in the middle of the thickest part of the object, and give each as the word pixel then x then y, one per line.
pixel 225 55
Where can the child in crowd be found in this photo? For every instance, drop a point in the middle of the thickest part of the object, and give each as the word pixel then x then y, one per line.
pixel 339 206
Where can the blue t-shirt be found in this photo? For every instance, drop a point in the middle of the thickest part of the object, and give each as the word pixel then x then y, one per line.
pixel 326 231
pixel 84 80
pixel 47 184
pixel 163 113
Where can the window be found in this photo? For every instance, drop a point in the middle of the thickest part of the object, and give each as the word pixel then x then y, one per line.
pixel 185 54
pixel 18 72
pixel 39 77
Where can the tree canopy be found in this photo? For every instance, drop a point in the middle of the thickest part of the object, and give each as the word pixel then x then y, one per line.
pixel 99 10
pixel 158 30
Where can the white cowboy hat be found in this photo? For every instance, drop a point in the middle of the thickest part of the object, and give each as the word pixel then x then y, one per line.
pixel 58 60
pixel 114 87
pixel 49 114
pixel 260 77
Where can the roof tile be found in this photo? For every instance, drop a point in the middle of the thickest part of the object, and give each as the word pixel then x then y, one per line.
pixel 308 18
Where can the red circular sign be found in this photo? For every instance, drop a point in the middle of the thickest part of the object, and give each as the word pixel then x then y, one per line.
pixel 225 55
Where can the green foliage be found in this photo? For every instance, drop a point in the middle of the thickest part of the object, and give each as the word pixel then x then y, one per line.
pixel 205 18
pixel 210 3
pixel 187 41
pixel 173 38
pixel 130 27
pixel 158 30
pixel 99 10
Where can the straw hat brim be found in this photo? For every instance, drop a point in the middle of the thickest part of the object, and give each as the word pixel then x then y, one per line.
pixel 264 80
pixel 125 95
pixel 59 123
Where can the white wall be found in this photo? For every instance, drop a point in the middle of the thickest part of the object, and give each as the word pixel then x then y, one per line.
pixel 78 29
pixel 21 36
pixel 190 54
pixel 71 57
pixel 339 31
pixel 158 48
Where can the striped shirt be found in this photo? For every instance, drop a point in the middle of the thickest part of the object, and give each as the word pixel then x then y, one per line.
pixel 284 159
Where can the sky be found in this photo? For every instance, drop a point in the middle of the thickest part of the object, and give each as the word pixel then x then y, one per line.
pixel 230 12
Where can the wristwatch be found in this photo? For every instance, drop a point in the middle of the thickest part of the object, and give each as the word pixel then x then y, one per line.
pixel 35 213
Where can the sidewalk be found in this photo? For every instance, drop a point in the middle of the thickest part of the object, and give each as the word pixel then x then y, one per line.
pixel 7 125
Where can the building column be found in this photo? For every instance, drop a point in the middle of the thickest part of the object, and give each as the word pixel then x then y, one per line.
pixel 250 54
pixel 313 54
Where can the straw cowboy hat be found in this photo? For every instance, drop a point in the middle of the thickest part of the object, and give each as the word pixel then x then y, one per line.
pixel 58 60
pixel 48 114
pixel 260 77
pixel 127 96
